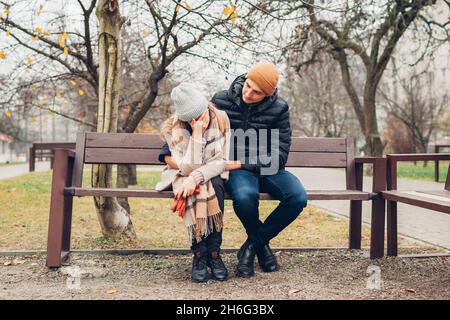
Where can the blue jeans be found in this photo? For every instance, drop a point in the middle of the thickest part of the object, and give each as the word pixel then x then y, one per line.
pixel 244 186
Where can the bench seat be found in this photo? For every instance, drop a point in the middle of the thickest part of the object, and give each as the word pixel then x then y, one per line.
pixel 148 193
pixel 437 200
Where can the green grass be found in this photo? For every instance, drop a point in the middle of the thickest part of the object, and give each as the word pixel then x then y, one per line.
pixel 11 163
pixel 24 210
pixel 419 172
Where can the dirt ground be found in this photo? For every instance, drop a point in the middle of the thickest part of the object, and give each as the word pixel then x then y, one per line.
pixel 336 274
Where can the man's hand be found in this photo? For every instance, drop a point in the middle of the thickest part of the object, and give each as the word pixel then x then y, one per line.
pixel 172 164
pixel 187 188
pixel 233 165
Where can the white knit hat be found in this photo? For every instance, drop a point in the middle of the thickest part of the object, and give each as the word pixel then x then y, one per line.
pixel 188 101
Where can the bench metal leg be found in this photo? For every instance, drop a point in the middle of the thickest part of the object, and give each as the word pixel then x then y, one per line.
pixel 355 224
pixel 31 159
pixel 356 212
pixel 377 229
pixel 378 210
pixel 60 210
pixel 392 241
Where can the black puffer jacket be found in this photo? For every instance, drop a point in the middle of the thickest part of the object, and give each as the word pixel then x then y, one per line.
pixel 270 113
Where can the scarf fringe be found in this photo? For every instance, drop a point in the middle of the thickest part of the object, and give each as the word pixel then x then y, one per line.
pixel 204 227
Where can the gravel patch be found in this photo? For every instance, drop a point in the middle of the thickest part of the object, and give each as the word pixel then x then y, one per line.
pixel 336 274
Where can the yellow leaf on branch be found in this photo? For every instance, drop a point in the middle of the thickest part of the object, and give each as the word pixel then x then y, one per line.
pixel 66 51
pixel 35 38
pixel 81 92
pixel 229 10
pixel 62 39
pixel 73 82
pixel 33 120
pixel 233 17
pixel 29 60
pixel 46 33
pixel 7 11
pixel 38 30
pixel 7 33
pixel 184 5
pixel 8 114
pixel 2 55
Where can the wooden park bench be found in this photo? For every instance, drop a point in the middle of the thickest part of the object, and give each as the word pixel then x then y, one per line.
pixel 42 150
pixel 437 200
pixel 143 149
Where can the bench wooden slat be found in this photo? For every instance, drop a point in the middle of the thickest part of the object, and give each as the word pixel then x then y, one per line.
pixel 123 140
pixel 150 157
pixel 148 193
pixel 52 145
pixel 318 145
pixel 415 200
pixel 121 156
pixel 316 159
pixel 151 141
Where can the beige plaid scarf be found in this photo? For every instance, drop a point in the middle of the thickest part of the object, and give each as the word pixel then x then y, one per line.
pixel 202 209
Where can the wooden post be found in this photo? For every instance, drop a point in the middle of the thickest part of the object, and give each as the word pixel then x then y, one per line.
pixel 60 209
pixel 378 210
pixel 32 159
pixel 436 165
pixel 356 212
pixel 392 241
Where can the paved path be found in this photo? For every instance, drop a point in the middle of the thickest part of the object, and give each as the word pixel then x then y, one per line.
pixel 18 169
pixel 422 224
pixel 425 225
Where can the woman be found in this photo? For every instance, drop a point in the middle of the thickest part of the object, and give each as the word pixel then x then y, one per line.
pixel 198 136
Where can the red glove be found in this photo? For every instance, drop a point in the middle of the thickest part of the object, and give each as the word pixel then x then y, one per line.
pixel 179 205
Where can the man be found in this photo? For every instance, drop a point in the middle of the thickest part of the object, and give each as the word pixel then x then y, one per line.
pixel 253 106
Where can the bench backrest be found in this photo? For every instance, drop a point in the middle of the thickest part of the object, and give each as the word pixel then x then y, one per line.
pixel 447 181
pixel 52 145
pixel 133 148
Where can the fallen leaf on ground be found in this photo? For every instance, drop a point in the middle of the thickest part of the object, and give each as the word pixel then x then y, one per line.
pixel 7 263
pixel 293 291
pixel 18 261
pixel 410 290
pixel 111 291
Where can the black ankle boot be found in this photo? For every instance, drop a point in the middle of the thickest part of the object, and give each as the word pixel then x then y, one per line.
pixel 200 268
pixel 266 259
pixel 246 257
pixel 218 269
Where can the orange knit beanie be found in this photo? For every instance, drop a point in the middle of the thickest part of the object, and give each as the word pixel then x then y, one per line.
pixel 265 75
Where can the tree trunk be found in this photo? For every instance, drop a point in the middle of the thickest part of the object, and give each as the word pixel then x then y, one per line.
pixel 374 145
pixel 114 219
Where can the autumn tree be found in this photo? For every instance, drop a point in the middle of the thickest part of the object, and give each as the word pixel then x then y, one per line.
pixel 417 105
pixel 369 31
